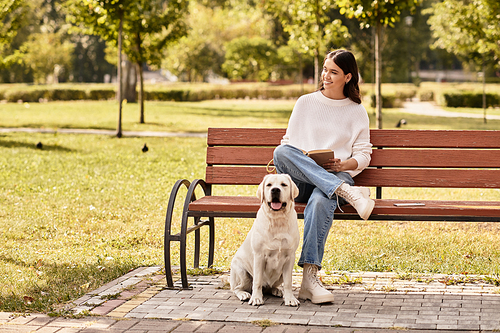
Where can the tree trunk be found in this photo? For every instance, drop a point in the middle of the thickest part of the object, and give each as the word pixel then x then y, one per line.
pixel 301 73
pixel 316 68
pixel 141 93
pixel 129 77
pixel 484 92
pixel 119 74
pixel 378 75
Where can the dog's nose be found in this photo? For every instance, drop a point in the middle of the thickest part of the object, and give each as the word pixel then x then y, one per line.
pixel 275 190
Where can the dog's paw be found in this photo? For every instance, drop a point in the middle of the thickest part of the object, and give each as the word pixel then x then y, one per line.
pixel 256 300
pixel 278 292
pixel 242 295
pixel 292 301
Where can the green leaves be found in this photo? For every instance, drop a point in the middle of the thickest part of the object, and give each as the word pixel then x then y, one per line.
pixel 12 14
pixel 467 28
pixel 149 25
pixel 249 58
pixel 369 12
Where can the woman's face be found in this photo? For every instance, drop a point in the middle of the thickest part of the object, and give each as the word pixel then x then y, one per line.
pixel 333 77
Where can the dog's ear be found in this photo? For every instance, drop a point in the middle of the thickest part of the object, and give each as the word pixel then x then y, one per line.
pixel 260 190
pixel 294 190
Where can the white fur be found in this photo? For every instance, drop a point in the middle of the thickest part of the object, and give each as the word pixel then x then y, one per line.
pixel 267 256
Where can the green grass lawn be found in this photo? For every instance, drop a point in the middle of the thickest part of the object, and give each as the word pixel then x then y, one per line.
pixel 489 111
pixel 195 117
pixel 160 116
pixel 86 209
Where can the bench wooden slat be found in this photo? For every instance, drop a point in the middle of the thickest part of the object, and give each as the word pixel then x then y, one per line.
pixel 429 158
pixel 435 138
pixel 214 205
pixel 438 178
pixel 379 138
pixel 436 158
pixel 239 155
pixel 244 136
pixel 374 177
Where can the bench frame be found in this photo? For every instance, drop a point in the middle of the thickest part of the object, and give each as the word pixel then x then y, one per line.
pixel 401 158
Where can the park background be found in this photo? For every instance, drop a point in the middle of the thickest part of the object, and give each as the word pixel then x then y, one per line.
pixel 80 210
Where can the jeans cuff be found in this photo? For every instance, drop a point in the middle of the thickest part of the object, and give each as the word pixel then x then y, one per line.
pixel 301 264
pixel 334 192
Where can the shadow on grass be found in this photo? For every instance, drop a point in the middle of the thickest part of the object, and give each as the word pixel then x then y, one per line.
pixel 17 144
pixel 57 284
pixel 220 112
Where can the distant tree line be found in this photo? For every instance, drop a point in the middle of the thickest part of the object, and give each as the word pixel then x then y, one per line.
pixel 49 41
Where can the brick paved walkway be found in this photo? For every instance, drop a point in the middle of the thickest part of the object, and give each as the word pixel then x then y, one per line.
pixel 365 302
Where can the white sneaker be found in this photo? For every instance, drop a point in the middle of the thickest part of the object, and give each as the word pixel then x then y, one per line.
pixel 358 197
pixel 312 288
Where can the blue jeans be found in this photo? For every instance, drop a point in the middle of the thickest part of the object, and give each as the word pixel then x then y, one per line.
pixel 317 187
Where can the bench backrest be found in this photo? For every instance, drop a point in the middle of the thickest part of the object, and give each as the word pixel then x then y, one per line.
pixel 400 158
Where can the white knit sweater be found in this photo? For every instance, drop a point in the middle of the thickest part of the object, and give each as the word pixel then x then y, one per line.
pixel 318 122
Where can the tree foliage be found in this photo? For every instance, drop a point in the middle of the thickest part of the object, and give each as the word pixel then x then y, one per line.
pixel 370 13
pixel 39 44
pixel 468 28
pixel 47 63
pixel 11 16
pixel 148 27
pixel 310 27
pixel 213 24
pixel 377 14
pixel 250 59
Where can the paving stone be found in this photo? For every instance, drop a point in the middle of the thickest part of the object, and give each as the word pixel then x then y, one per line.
pixel 47 329
pixel 17 328
pixel 447 326
pixel 74 323
pixel 270 316
pixel 398 321
pixel 274 329
pixel 373 324
pixel 68 330
pixel 117 314
pixel 149 325
pixel 186 327
pixel 319 321
pixel 239 328
pixel 133 315
pixel 296 329
pixel 102 323
pixel 124 324
pixel 339 322
pixel 21 320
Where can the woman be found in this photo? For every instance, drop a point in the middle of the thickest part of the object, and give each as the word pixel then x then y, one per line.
pixel 330 118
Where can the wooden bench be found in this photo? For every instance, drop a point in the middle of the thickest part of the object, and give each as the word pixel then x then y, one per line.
pixel 401 158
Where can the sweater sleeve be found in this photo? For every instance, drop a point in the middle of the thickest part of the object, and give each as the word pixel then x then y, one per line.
pixel 293 121
pixel 362 148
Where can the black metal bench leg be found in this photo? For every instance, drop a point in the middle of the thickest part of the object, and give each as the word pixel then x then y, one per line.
pixel 182 245
pixel 168 265
pixel 197 240
pixel 168 237
pixel 211 245
pixel 182 236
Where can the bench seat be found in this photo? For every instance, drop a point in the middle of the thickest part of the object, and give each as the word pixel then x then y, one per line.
pixel 241 206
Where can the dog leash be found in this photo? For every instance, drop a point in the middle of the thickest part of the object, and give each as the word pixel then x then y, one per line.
pixel 269 168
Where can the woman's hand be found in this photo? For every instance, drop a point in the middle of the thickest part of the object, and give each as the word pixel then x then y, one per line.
pixel 336 165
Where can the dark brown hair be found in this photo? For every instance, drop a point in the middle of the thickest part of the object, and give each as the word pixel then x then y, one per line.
pixel 347 63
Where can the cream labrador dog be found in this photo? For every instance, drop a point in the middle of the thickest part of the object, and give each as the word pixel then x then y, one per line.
pixel 265 259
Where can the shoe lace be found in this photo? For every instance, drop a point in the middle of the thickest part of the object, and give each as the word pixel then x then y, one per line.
pixel 351 195
pixel 313 275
